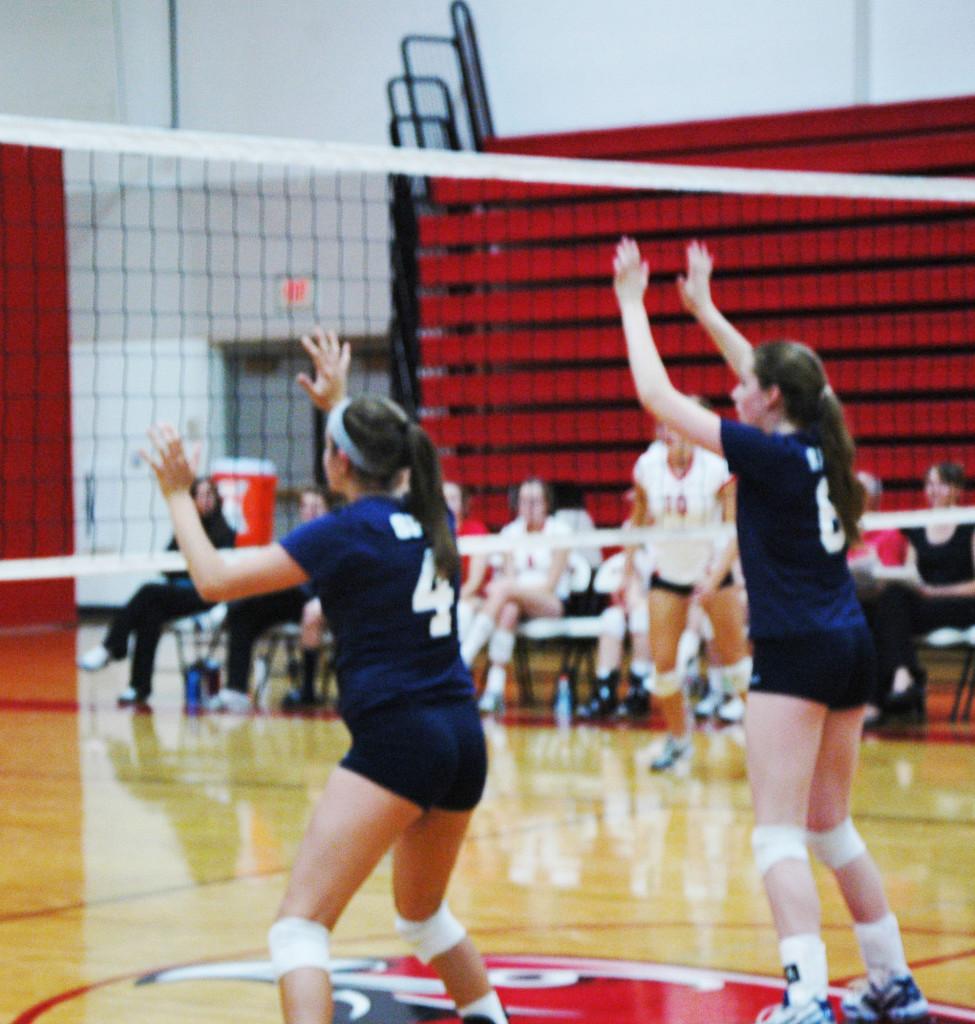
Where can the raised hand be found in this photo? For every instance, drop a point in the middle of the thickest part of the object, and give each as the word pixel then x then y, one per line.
pixel 695 288
pixel 331 361
pixel 630 272
pixel 175 470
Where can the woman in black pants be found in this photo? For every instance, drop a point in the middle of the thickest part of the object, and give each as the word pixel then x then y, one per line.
pixel 155 604
pixel 249 618
pixel 944 554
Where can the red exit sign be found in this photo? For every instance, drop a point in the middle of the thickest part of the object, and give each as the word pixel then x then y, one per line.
pixel 295 293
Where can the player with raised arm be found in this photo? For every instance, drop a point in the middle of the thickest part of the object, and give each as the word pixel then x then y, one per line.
pixel 385 567
pixel 799 503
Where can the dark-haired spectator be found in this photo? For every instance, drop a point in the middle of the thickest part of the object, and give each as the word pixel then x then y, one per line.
pixel 944 595
pixel 155 604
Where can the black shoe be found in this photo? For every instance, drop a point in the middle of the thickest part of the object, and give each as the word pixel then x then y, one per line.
pixel 603 702
pixel 873 720
pixel 636 704
pixel 295 700
pixel 911 701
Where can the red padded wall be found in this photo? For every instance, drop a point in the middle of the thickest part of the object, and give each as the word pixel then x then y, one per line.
pixel 35 409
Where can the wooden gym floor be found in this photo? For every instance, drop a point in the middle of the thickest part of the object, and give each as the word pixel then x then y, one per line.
pixel 142 856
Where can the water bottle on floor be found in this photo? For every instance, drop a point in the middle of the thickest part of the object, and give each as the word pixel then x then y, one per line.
pixel 563 701
pixel 193 686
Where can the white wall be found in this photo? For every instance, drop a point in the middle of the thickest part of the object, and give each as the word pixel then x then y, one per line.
pixel 318 68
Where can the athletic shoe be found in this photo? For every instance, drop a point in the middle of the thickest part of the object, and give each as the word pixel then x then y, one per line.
pixel 95 659
pixel 674 752
pixel 491 704
pixel 709 705
pixel 636 704
pixel 816 1012
pixel 132 698
pixel 602 704
pixel 732 709
pixel 295 700
pixel 899 1000
pixel 229 700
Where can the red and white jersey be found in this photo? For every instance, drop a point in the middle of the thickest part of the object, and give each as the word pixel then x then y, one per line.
pixel 682 502
pixel 531 566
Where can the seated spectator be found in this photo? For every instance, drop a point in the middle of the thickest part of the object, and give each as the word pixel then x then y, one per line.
pixel 569 507
pixel 247 619
pixel 532 582
pixel 944 555
pixel 155 604
pixel 474 569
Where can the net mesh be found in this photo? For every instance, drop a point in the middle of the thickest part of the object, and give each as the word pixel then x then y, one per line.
pixel 166 276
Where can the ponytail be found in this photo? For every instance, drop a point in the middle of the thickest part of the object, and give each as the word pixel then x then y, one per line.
pixel 426 503
pixel 380 441
pixel 809 401
pixel 846 491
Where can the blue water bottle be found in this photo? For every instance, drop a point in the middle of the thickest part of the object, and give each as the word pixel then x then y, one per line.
pixel 563 701
pixel 192 686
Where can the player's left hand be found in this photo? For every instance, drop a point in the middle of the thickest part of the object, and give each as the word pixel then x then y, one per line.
pixel 175 470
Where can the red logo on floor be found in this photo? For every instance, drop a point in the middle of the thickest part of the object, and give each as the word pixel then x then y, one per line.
pixel 402 991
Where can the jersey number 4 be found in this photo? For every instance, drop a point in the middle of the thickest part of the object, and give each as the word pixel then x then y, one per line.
pixel 433 594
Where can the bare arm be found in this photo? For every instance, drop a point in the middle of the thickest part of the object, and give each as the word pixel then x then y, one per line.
pixel 560 559
pixel 653 386
pixel 261 571
pixel 695 294
pixel 477 570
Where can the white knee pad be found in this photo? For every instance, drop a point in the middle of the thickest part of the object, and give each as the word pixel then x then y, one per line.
pixel 837 847
pixel 501 647
pixel 297 942
pixel 772 843
pixel 639 618
pixel 739 675
pixel 666 684
pixel 612 622
pixel 433 936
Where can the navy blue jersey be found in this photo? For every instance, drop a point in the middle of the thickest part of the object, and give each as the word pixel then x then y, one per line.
pixel 394 623
pixel 793 548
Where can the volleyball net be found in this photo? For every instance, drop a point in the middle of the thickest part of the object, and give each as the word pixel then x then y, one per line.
pixel 155 276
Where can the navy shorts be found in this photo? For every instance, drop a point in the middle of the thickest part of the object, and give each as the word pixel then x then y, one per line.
pixel 834 667
pixel 430 754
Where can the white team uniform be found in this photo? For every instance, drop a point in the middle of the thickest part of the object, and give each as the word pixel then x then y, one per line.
pixel 685 501
pixel 531 565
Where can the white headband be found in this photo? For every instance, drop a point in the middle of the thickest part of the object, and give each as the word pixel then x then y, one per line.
pixel 335 427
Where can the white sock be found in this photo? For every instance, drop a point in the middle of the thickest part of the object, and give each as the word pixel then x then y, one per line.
pixel 716 679
pixel 641 669
pixel 688 651
pixel 488 1006
pixel 804 962
pixel 480 629
pixel 882 949
pixel 496 678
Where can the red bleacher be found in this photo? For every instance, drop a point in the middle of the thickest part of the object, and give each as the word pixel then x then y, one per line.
pixel 523 366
